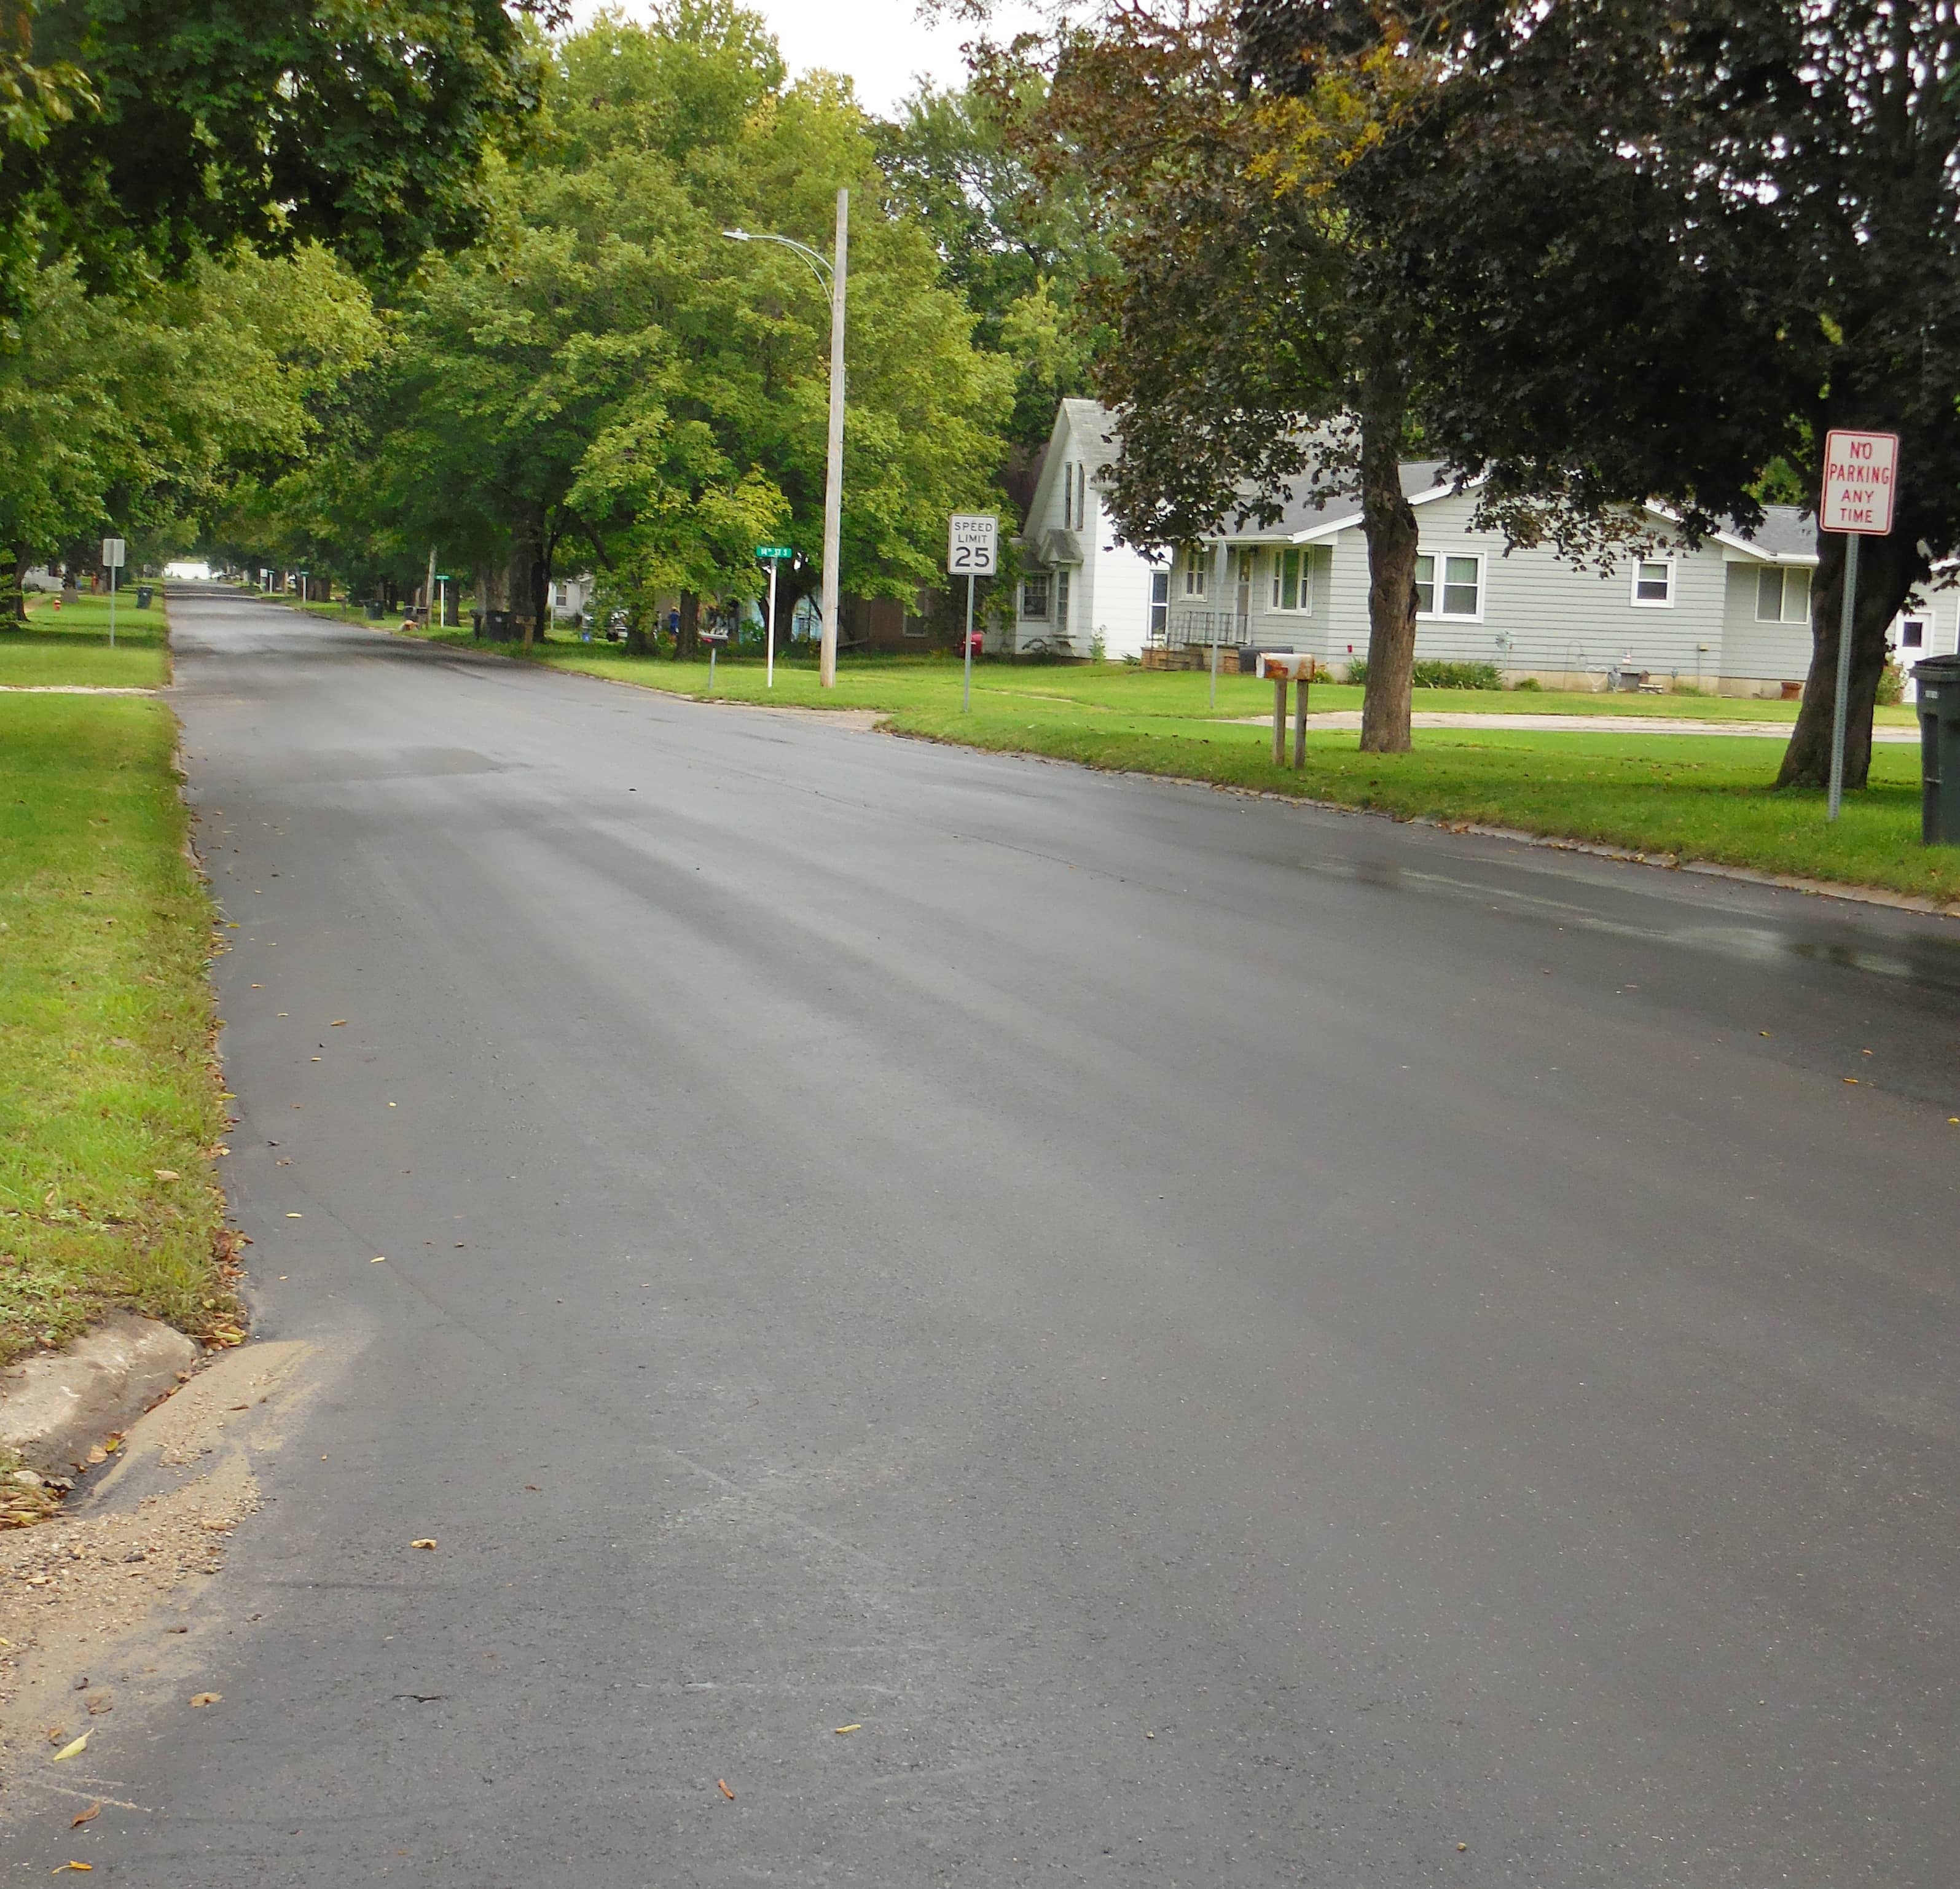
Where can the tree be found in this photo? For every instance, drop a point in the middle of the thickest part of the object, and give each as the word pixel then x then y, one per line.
pixel 1016 241
pixel 139 133
pixel 1666 246
pixel 607 366
pixel 1257 342
pixel 134 411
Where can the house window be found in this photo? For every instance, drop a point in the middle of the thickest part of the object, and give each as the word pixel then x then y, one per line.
pixel 1067 498
pixel 1292 581
pixel 1160 604
pixel 1195 570
pixel 1653 584
pixel 1034 597
pixel 1462 590
pixel 1081 496
pixel 1061 603
pixel 1912 632
pixel 1783 596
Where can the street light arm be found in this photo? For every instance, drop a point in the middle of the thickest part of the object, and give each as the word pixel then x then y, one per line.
pixel 825 280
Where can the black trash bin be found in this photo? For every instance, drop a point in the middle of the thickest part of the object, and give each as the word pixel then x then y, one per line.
pixel 143 593
pixel 1938 683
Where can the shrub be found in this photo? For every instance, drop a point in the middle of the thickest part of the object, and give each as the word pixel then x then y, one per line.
pixel 1358 671
pixel 1529 681
pixel 1891 685
pixel 1458 675
pixel 1099 646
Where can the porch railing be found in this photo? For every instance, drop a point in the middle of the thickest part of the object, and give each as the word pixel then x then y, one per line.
pixel 1189 629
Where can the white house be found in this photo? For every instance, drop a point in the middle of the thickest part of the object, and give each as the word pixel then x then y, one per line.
pixel 1078 584
pixel 1731 615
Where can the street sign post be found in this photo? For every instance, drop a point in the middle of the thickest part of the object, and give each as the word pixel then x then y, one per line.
pixel 1860 476
pixel 973 547
pixel 113 551
pixel 773 554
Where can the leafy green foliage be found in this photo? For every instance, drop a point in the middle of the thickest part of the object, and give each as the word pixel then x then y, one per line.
pixel 607 371
pixel 143 132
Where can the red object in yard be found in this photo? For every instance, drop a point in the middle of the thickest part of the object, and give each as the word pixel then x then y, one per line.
pixel 976 643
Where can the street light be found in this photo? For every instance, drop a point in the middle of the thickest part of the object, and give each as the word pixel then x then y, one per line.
pixel 832 275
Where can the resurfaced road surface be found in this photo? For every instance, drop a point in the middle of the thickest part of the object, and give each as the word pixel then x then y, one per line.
pixel 1233 1344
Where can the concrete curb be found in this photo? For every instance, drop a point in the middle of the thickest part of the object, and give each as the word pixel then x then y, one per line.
pixel 55 1408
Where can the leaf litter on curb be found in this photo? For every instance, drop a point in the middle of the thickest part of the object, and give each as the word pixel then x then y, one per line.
pixel 72 1749
pixel 205 1698
pixel 85 1817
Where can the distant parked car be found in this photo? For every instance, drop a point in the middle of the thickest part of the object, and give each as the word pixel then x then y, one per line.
pixel 40 578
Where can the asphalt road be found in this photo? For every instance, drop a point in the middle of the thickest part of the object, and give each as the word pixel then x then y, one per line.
pixel 1239 1345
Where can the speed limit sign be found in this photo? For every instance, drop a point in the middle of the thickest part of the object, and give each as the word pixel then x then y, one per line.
pixel 973 545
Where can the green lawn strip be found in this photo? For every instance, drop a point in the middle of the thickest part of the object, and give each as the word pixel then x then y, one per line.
pixel 1700 797
pixel 899 682
pixel 106 1068
pixel 68 643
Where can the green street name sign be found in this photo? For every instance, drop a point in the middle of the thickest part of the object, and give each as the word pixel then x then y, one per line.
pixel 774 551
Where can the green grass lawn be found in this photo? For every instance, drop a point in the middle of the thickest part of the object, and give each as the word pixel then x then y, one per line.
pixel 69 643
pixel 109 1103
pixel 1700 797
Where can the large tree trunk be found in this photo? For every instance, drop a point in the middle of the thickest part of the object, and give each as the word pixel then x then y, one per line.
pixel 1888 567
pixel 1387 523
pixel 687 644
pixel 17 603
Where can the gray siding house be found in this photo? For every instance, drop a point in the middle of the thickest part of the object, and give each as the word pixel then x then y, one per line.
pixel 1732 615
pixel 1078 584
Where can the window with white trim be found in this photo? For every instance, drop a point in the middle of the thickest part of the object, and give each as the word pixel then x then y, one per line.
pixel 1159 602
pixel 1912 632
pixel 1034 597
pixel 1061 603
pixel 1196 568
pixel 1067 496
pixel 1292 581
pixel 1783 595
pixel 1653 585
pixel 1461 592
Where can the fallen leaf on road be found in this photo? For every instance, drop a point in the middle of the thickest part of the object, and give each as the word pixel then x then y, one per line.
pixel 1852 1079
pixel 295 1217
pixel 102 1703
pixel 59 1867
pixel 98 1455
pixel 70 1750
pixel 339 1023
pixel 85 1817
pixel 379 1259
pixel 842 1729
pixel 427 1541
pixel 205 1698
pixel 725 1790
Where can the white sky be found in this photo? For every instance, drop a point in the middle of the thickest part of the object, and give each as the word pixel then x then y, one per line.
pixel 881 43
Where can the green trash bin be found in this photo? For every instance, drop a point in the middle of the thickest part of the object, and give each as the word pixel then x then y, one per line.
pixel 1937 684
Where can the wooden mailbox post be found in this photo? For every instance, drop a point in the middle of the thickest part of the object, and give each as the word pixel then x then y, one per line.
pixel 1279 670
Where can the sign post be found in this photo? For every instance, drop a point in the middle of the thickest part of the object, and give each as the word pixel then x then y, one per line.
pixel 113 552
pixel 973 547
pixel 1860 474
pixel 774 555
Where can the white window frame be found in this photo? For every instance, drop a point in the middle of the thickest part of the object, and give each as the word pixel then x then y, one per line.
pixel 1924 619
pixel 1438 583
pixel 1061 600
pixel 1785 573
pixel 1160 617
pixel 1196 574
pixel 1643 564
pixel 1028 583
pixel 1302 605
